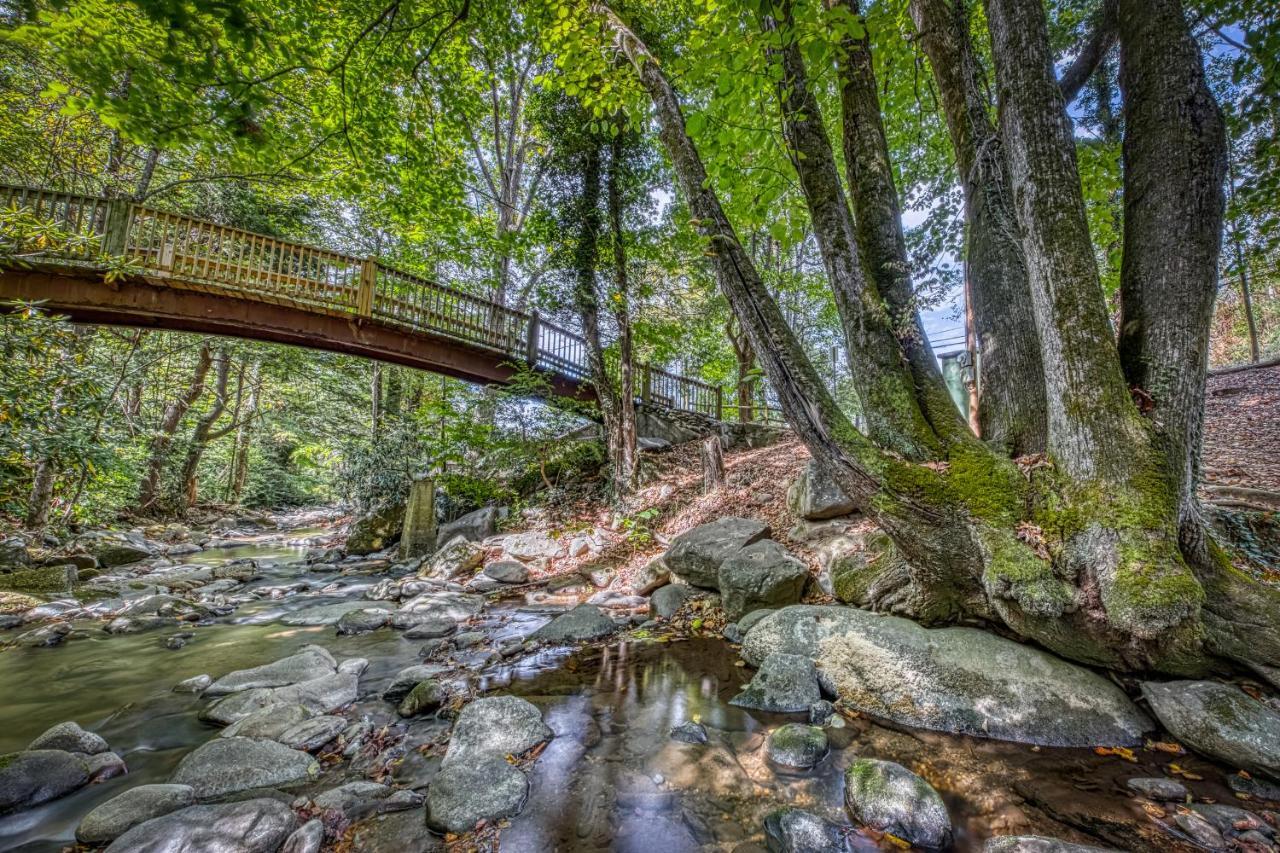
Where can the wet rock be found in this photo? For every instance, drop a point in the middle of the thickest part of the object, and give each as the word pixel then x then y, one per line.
pixel 667 601
pixel 888 797
pixel 796 745
pixel 105 765
pixel 249 826
pixel 457 558
pixel 1200 831
pixel 358 800
pixel 496 726
pixel 1164 790
pixel 117 549
pixel 442 604
pixel 732 633
pixel 507 571
pixel 795 831
pixel 408 678
pixel 69 737
pixel 1219 720
pixel 322 614
pixel 531 546
pixel 226 766
pixel 400 832
pixel 467 639
pixel 310 735
pixel 269 723
pixel 320 695
pixel 194 684
pixel 308 663
pixel 815 496
pixel 1258 789
pixel 1037 844
pixel 308 838
pixel 690 732
pixel 1230 820
pixel 44 637
pixel 431 629
pixel 821 712
pixel 696 554
pixel 584 622
pixel 959 680
pixel 785 683
pixel 465 793
pixel 37 776
pixel 473 527
pixel 121 813
pixel 363 621
pixel 376 530
pixel 426 696
pixel 177 641
pixel 761 575
pixel 137 625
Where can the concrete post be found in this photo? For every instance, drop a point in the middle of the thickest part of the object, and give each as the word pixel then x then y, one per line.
pixel 419 536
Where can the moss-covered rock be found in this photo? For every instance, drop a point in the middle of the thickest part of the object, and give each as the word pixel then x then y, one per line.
pixel 43 580
pixel 888 797
pixel 376 530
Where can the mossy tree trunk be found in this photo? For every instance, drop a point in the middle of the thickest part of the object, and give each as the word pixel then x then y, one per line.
pixel 1080 554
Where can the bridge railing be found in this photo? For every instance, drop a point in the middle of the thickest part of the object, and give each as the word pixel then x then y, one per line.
pixel 196 254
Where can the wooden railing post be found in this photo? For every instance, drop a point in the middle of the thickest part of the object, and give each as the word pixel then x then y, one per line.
pixel 719 403
pixel 531 340
pixel 368 280
pixel 115 227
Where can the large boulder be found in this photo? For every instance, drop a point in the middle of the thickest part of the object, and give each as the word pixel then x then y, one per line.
pixel 696 554
pixel 456 558
pixel 1219 720
pixel 319 695
pixel 123 812
pixel 784 684
pixel 225 766
pixel 888 797
pixel 117 549
pixel 496 726
pixel 761 575
pixel 473 527
pixel 375 530
pixel 815 496
pixel 69 737
pixel 37 776
pixel 584 622
pixel 307 663
pixel 442 604
pixel 464 794
pixel 363 621
pixel 958 680
pixel 249 826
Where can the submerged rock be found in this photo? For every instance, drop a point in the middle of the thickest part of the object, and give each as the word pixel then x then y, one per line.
pixel 37 776
pixel 69 737
pixel 959 680
pixel 226 766
pixel 796 745
pixel 121 813
pixel 696 554
pixel 795 831
pixel 584 622
pixel 689 732
pixel 888 797
pixel 785 684
pixel 1219 720
pixel 761 575
pixel 249 826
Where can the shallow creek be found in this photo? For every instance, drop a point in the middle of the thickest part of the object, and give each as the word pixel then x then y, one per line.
pixel 612 779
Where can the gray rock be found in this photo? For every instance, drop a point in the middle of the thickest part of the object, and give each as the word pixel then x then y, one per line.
pixel 425 696
pixel 689 732
pixel 1038 844
pixel 584 622
pixel 1219 720
pixel 795 831
pixel 249 826
pixel 796 745
pixel 1200 831
pixel 310 735
pixel 408 678
pixel 226 766
pixel 456 558
pixel 105 765
pixel 653 576
pixel 307 663
pixel 821 712
pixel 959 680
pixel 1231 821
pixel 322 614
pixel 361 799
pixel 69 737
pixel 815 496
pixel 667 601
pixel 466 793
pixel 320 695
pixel 121 813
pixel 473 527
pixel 431 629
pixel 194 684
pixel 269 723
pixel 117 549
pixel 507 571
pixel 527 547
pixel 888 797
pixel 443 604
pixel 696 554
pixel 496 726
pixel 1258 789
pixel 761 575
pixel 785 684
pixel 399 832
pixel 746 623
pixel 14 553
pixel 37 776
pixel 363 621
pixel 1156 788
pixel 308 838
pixel 376 530
pixel 467 639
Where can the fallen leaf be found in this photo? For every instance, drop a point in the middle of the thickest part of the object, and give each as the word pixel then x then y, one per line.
pixel 1153 810
pixel 1166 746
pixel 1118 751
pixel 1185 774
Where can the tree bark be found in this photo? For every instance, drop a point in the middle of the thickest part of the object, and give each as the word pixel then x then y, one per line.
pixel 149 490
pixel 625 464
pixel 1011 401
pixel 244 435
pixel 200 435
pixel 712 463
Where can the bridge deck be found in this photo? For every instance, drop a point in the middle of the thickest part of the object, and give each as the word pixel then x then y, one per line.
pixel 193 275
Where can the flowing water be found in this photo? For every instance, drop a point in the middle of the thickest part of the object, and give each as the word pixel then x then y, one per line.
pixel 611 779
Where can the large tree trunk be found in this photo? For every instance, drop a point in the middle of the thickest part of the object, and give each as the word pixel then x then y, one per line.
pixel 149 490
pixel 1011 401
pixel 1175 162
pixel 202 434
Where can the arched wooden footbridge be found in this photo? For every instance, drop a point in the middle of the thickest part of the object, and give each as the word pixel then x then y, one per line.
pixel 193 275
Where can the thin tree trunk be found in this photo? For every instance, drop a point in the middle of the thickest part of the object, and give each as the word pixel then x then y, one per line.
pixel 625 463
pixel 375 400
pixel 712 463
pixel 1011 388
pixel 244 435
pixel 201 435
pixel 149 490
pixel 1102 35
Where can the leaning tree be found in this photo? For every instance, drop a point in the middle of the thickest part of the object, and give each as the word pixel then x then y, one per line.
pixel 1096 547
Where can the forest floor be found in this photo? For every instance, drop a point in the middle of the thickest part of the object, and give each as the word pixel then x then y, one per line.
pixel 1242 429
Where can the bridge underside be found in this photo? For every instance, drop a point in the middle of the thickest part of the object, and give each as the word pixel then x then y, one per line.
pixel 136 302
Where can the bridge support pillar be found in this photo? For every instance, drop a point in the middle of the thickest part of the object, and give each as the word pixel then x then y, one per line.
pixel 115 230
pixel 419 535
